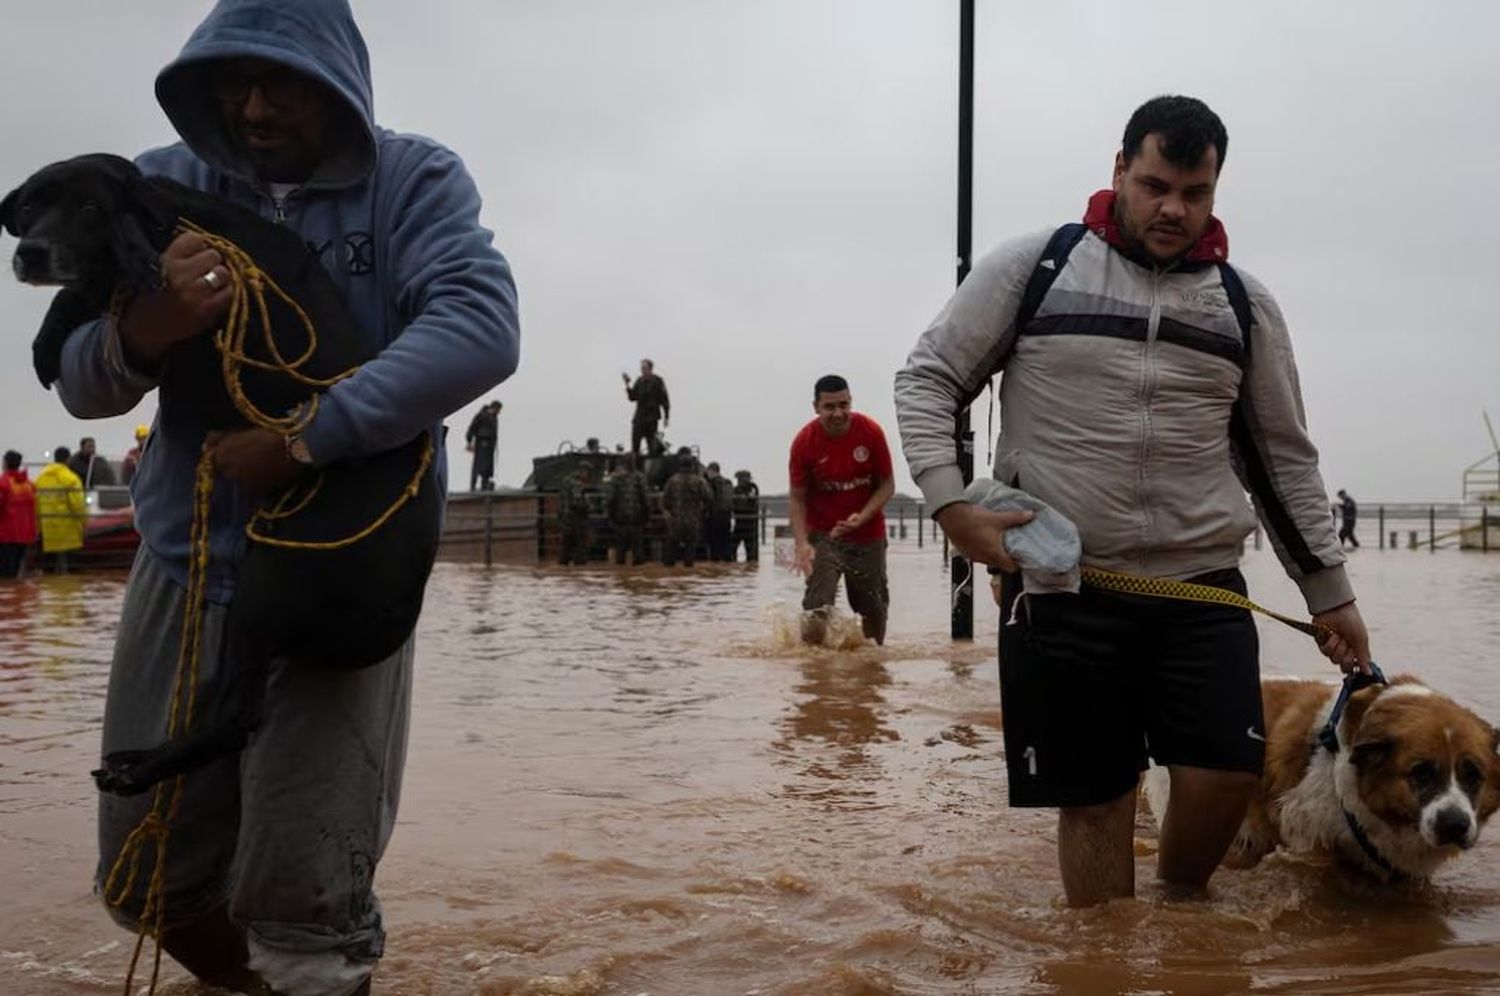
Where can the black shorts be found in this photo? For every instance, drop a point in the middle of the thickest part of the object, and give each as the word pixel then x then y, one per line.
pixel 1093 683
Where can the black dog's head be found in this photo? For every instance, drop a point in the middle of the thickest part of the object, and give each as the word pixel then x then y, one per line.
pixel 86 224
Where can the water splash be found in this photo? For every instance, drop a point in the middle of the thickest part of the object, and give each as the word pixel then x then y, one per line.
pixel 841 631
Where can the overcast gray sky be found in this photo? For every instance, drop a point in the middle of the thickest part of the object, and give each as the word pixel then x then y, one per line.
pixel 754 194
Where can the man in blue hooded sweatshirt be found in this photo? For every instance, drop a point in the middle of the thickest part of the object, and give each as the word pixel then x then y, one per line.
pixel 269 880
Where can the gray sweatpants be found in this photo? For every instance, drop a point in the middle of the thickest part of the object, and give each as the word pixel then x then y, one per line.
pixel 288 832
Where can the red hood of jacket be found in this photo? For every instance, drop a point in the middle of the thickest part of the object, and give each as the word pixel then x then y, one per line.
pixel 1212 247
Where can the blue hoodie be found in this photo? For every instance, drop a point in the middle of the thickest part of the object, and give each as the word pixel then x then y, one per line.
pixel 394 219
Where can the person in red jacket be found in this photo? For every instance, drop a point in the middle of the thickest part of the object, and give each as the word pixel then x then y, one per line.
pixel 17 516
pixel 840 471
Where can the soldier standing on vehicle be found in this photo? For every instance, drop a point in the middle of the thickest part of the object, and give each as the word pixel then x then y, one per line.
pixel 649 392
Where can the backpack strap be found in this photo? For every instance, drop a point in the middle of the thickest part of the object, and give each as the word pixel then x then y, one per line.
pixel 1239 301
pixel 1054 257
pixel 1048 266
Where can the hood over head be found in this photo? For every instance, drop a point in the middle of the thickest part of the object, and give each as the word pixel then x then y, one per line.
pixel 317 38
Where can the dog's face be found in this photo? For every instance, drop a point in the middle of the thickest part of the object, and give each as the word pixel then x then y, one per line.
pixel 78 225
pixel 1427 766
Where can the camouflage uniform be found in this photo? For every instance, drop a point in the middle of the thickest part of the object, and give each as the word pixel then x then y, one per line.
pixel 627 502
pixel 720 518
pixel 746 519
pixel 573 519
pixel 685 499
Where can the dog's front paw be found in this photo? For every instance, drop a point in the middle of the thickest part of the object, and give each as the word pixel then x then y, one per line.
pixel 122 773
pixel 1245 852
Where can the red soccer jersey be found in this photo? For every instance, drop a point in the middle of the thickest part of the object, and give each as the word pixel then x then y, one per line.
pixel 840 474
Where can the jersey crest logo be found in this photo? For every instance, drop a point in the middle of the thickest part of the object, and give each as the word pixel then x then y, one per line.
pixel 861 454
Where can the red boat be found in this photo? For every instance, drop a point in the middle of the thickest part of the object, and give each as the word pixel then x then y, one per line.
pixel 109 536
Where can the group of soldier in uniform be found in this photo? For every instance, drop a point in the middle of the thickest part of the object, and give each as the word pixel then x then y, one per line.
pixel 703 514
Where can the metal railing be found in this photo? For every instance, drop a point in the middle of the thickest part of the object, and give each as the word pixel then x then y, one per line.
pixel 1482 481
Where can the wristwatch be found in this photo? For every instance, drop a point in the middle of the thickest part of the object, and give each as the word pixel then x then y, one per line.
pixel 297 451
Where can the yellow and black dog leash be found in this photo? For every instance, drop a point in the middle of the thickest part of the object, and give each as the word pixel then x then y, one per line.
pixel 1188 591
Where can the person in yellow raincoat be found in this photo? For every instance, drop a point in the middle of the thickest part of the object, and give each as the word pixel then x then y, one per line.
pixel 60 510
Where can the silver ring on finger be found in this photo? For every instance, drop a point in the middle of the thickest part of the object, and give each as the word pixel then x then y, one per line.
pixel 212 279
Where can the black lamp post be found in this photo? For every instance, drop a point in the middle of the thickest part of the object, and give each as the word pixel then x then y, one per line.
pixel 960 571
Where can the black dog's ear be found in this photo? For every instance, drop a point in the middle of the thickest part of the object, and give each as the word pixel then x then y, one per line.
pixel 137 261
pixel 8 211
pixel 1371 753
pixel 152 206
pixel 141 230
pixel 69 310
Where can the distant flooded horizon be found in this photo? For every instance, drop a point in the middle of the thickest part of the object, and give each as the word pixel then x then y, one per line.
pixel 629 782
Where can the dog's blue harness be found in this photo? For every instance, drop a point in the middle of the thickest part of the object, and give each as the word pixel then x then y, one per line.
pixel 1328 737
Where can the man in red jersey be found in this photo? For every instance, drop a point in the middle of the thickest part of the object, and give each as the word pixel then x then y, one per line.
pixel 840 481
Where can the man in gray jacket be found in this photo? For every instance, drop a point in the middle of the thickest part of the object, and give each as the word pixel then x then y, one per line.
pixel 1147 387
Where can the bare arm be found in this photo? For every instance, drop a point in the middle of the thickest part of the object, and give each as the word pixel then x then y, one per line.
pixel 883 492
pixel 878 499
pixel 797 511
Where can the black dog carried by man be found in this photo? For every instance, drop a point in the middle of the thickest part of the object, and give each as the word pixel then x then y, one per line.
pixel 97 227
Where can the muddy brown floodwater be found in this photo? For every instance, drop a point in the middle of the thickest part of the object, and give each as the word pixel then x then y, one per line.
pixel 628 782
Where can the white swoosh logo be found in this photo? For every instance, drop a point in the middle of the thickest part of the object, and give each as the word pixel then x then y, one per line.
pixel 1250 732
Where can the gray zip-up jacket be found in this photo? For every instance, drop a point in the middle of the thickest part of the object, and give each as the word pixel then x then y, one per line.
pixel 1129 405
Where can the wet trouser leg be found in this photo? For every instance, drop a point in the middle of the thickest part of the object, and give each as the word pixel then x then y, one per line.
pixel 629 539
pixel 862 566
pixel 750 538
pixel 12 556
pixel 483 470
pixel 640 431
pixel 286 835
pixel 575 543
pixel 719 541
pixel 683 542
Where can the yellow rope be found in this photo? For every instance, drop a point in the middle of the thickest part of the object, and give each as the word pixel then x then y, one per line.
pixel 249 284
pixel 248 281
pixel 407 493
pixel 156 827
pixel 1187 591
pixel 280 511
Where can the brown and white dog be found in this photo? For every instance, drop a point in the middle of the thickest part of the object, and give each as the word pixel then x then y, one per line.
pixel 1413 779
